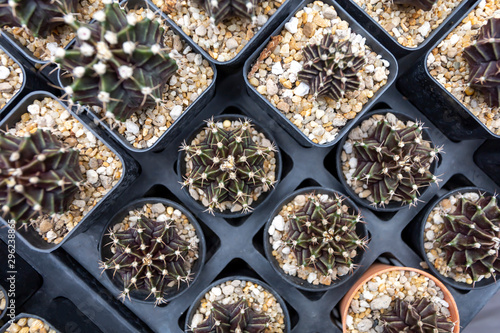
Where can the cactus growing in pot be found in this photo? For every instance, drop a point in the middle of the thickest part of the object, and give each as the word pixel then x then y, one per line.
pixel 219 10
pixel 38 175
pixel 118 62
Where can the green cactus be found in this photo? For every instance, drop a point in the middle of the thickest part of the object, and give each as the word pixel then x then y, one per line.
pixel 330 68
pixel 419 316
pixel 38 175
pixel 41 17
pixel 483 57
pixel 422 4
pixel 149 257
pixel 322 234
pixel 219 10
pixel 394 163
pixel 233 318
pixel 118 63
pixel 227 166
pixel 471 236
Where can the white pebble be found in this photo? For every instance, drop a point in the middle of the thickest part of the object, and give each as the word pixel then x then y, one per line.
pixel 295 67
pixel 454 39
pixel 367 295
pixel 131 126
pixel 424 29
pixel 92 176
pixel 348 148
pixel 437 219
pixel 311 277
pixel 176 112
pixel 228 290
pixel 364 325
pixel 197 319
pixel 379 74
pixel 158 208
pixel 353 162
pixel 279 223
pixel 290 269
pixel 291 26
pixel 381 302
pixel 201 30
pixel 216 291
pixel 34 109
pixel 4 72
pixel 231 44
pixel 301 90
pixel 277 69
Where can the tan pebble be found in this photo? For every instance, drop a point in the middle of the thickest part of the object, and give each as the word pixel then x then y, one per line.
pixel 287 84
pixel 22 321
pixel 14 328
pixel 309 29
pixel 283 107
pixel 170 210
pixel 226 123
pixel 24 330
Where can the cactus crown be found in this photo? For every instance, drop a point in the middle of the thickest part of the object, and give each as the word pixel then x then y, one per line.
pixel 419 316
pixel 118 62
pixel 471 236
pixel 233 318
pixel 228 166
pixel 483 57
pixel 394 163
pixel 422 4
pixel 330 68
pixel 38 175
pixel 323 235
pixel 39 16
pixel 149 257
pixel 219 10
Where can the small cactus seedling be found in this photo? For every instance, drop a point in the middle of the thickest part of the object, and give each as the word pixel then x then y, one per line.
pixel 38 175
pixel 483 57
pixel 118 62
pixel 149 257
pixel 330 68
pixel 219 10
pixel 233 318
pixel 394 163
pixel 422 4
pixel 471 236
pixel 41 17
pixel 322 234
pixel 419 316
pixel 228 166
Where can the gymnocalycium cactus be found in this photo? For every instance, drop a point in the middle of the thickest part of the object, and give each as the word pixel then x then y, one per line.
pixel 419 316
pixel 330 68
pixel 118 63
pixel 38 175
pixel 232 318
pixel 471 236
pixel 227 166
pixel 394 163
pixel 219 10
pixel 483 57
pixel 148 257
pixel 422 4
pixel 322 234
pixel 41 17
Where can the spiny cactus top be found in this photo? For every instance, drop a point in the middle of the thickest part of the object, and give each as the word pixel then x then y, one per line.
pixel 395 163
pixel 38 175
pixel 219 10
pixel 227 165
pixel 149 257
pixel 422 4
pixel 330 68
pixel 233 318
pixel 483 57
pixel 118 62
pixel 39 16
pixel 419 316
pixel 471 236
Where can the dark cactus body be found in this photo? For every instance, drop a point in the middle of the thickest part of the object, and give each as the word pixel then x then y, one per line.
pixel 419 316
pixel 394 163
pixel 471 236
pixel 118 63
pixel 41 17
pixel 322 235
pixel 38 175
pixel 330 68
pixel 483 57
pixel 219 10
pixel 233 318
pixel 149 257
pixel 422 4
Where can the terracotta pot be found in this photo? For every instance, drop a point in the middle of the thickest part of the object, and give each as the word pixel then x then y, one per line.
pixel 378 269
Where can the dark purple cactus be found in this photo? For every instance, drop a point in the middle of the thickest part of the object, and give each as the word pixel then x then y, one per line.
pixel 219 10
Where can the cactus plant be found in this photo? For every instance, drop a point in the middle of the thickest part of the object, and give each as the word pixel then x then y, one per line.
pixel 219 10
pixel 471 236
pixel 330 68
pixel 118 62
pixel 38 175
pixel 394 163
pixel 148 257
pixel 483 57
pixel 422 4
pixel 232 318
pixel 419 316
pixel 227 166
pixel 322 234
pixel 41 17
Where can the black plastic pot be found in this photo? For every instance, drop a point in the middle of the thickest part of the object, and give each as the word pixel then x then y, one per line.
pixel 459 285
pixel 295 280
pixel 487 158
pixel 181 168
pixel 4 311
pixel 398 50
pixel 279 117
pixel 30 236
pixel 105 251
pixel 196 304
pixel 392 206
pixel 26 315
pixel 444 109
